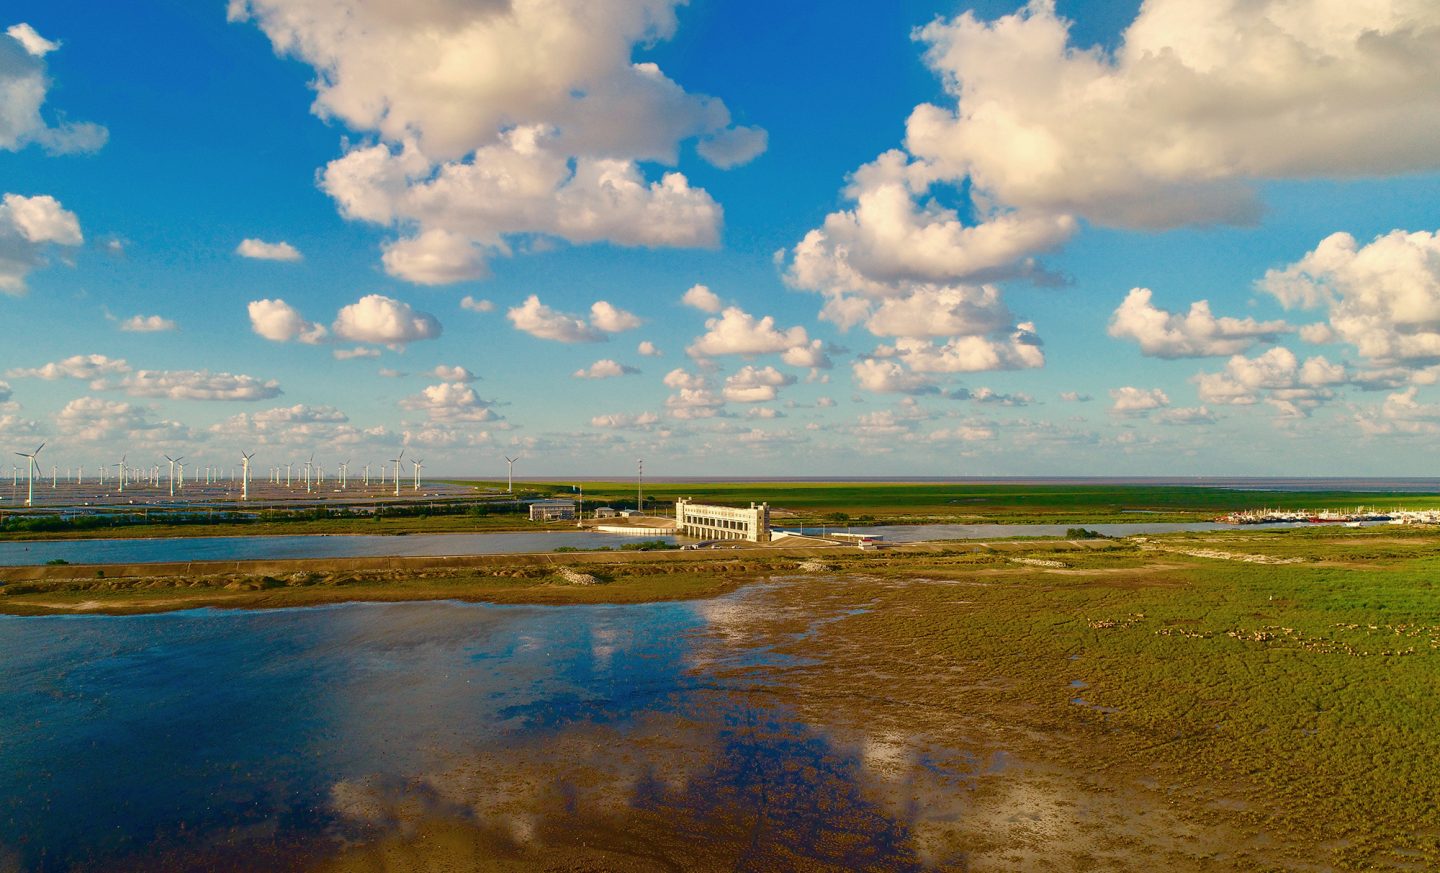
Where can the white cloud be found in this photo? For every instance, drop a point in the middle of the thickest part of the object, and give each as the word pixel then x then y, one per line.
pixel 280 322
pixel 453 374
pixel 376 318
pixel 702 298
pixel 612 319
pixel 626 421
pixel 764 412
pixel 941 311
pixel 147 324
pixel 648 349
pixel 24 84
pixel 733 147
pixel 1196 334
pixel 811 355
pixel 37 45
pixel 1383 297
pixel 195 385
pixel 970 354
pixel 435 257
pixel 693 397
pixel 268 251
pixel 884 376
pixel 1130 400
pixel 450 401
pixel 1189 415
pixel 94 419
pixel 1075 397
pixel 354 353
pixel 539 320
pixel 736 332
pixel 474 305
pixel 29 226
pixel 504 119
pixel 605 369
pixel 1198 99
pixel 1401 413
pixel 754 385
pixel 1279 378
pixel 85 367
pixel 5 391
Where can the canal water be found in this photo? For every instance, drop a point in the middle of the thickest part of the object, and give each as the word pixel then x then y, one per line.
pixel 264 548
pixel 613 737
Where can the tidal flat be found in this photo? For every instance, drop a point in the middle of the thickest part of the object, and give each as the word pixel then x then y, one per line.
pixel 1252 700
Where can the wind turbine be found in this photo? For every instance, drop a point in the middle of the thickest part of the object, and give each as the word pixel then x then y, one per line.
pixel 121 465
pixel 245 476
pixel 397 472
pixel 510 477
pixel 344 473
pixel 418 462
pixel 34 468
pixel 309 466
pixel 173 462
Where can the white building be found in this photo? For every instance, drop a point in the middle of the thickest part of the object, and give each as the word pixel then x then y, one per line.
pixel 723 522
pixel 552 510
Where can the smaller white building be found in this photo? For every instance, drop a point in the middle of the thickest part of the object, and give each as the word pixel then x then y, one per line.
pixel 552 510
pixel 606 512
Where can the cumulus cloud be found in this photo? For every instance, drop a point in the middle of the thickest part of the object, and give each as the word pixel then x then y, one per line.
pixel 1022 349
pixel 1075 397
pixel 1383 297
pixel 5 391
pixel 734 146
pixel 148 324
pixel 1279 378
pixel 648 349
pixel 24 85
pixel 693 398
pixel 280 322
pixel 737 332
pixel 605 369
pixel 29 228
pixel 1188 415
pixel 1130 400
pixel 450 401
pixel 1401 413
pixel 539 320
pixel 474 305
pixel 1197 100
pixel 811 355
pixel 195 385
pixel 435 257
pixel 383 320
pixel 89 368
pixel 268 251
pixel 1196 334
pixel 884 376
pixel 501 120
pixel 453 374
pixel 702 298
pixel 756 385
pixel 626 421
pixel 612 319
pixel 95 419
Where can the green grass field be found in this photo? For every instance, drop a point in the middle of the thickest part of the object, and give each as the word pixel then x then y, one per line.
pixel 986 502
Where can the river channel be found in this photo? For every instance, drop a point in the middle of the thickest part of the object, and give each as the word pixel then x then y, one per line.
pixel 266 548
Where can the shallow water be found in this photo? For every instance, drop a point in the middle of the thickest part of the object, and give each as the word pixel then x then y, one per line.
pixel 265 548
pixel 282 739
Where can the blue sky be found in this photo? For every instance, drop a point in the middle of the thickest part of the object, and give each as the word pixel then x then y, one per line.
pixel 944 225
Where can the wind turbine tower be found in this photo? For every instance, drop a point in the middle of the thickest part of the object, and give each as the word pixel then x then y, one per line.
pixel 245 475
pixel 33 469
pixel 397 472
pixel 173 462
pixel 510 477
